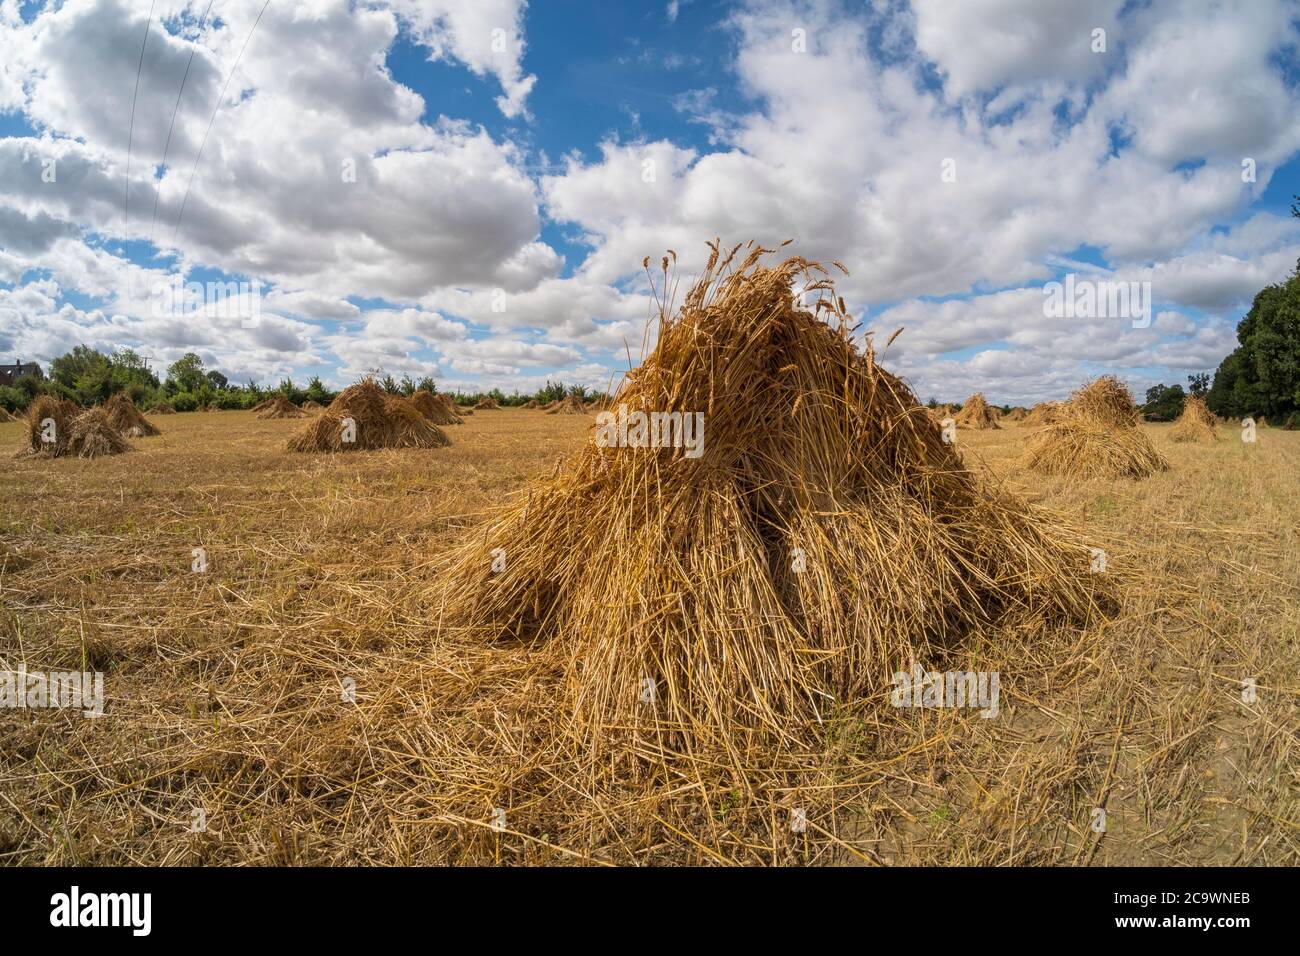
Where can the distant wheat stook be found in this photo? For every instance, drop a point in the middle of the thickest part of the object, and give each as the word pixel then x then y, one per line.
pixel 364 417
pixel 1095 435
pixel 1196 424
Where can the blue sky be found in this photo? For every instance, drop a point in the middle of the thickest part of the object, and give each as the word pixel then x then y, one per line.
pixel 512 164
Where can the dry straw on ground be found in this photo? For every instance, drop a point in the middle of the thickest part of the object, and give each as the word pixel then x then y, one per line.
pixel 1095 435
pixel 696 624
pixel 311 405
pixel 121 414
pixel 373 419
pixel 163 408
pixel 438 412
pixel 1196 424
pixel 487 403
pixel 281 407
pixel 532 403
pixel 1016 414
pixel 976 413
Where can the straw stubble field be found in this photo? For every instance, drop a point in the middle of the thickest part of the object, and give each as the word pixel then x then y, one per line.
pixel 228 691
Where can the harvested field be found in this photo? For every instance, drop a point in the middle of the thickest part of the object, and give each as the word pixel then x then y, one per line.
pixel 333 559
pixel 330 572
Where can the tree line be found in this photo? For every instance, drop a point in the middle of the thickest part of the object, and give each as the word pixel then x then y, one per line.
pixel 88 377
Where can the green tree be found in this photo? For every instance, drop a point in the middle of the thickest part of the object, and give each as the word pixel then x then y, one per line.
pixel 84 374
pixel 1199 384
pixel 1164 402
pixel 551 392
pixel 1262 375
pixel 12 399
pixel 67 368
pixel 187 373
pixel 317 392
pixel 184 402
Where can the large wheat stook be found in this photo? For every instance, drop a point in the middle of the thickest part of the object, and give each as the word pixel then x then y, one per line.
pixel 826 537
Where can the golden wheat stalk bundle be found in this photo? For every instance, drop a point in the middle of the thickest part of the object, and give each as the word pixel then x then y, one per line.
pixel 311 405
pixel 825 537
pixel 487 402
pixel 975 413
pixel 1044 413
pixel 122 416
pixel 1095 435
pixel 1106 400
pixel 532 403
pixel 1196 424
pixel 1016 414
pixel 47 422
pixel 365 417
pixel 569 405
pixel 1081 447
pixel 438 412
pixel 459 411
pixel 92 434
pixel 57 428
pixel 163 408
pixel 281 407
